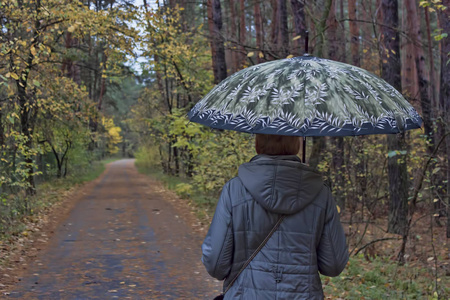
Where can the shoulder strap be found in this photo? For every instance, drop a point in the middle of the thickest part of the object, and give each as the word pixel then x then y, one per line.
pixel 275 227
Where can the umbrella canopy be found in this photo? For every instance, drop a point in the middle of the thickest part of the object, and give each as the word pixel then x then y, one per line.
pixel 306 96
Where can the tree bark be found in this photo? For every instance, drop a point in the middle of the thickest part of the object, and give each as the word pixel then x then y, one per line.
pixel 242 33
pixel 283 38
pixel 259 33
pixel 410 82
pixel 218 40
pixel 332 37
pixel 354 33
pixel 102 83
pixel 334 53
pixel 391 67
pixel 234 53
pixel 274 30
pixel 209 6
pixel 319 142
pixel 298 9
pixel 444 17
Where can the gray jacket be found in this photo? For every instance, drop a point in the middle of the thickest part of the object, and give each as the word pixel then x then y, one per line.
pixel 309 240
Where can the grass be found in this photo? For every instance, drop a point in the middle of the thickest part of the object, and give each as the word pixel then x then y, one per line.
pixel 16 210
pixel 204 204
pixel 380 278
pixel 385 279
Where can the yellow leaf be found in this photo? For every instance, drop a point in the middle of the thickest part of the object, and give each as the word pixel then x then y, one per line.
pixel 7 75
pixel 261 55
pixel 338 209
pixel 296 37
pixel 365 51
pixel 250 54
pixel 290 56
pixel 71 28
pixel 14 75
pixel 33 50
pixel 393 51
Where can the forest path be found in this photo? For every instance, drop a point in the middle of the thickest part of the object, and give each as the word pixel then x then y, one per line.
pixel 123 239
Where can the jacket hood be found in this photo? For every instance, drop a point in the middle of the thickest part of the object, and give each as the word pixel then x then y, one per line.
pixel 281 184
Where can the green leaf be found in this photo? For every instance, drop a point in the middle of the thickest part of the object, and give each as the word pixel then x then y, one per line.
pixel 396 152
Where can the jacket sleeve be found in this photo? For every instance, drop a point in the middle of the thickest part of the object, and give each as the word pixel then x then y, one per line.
pixel 332 252
pixel 217 247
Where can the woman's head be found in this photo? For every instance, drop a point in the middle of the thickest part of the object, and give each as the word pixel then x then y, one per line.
pixel 277 144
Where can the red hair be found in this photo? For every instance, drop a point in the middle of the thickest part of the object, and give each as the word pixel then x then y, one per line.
pixel 277 144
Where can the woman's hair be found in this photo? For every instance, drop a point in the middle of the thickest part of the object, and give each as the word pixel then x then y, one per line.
pixel 277 144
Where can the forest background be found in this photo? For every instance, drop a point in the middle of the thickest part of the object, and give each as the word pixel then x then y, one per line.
pixel 85 80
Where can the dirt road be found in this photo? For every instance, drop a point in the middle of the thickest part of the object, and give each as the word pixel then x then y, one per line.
pixel 122 240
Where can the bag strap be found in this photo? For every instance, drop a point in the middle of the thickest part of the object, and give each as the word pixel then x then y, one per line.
pixel 275 227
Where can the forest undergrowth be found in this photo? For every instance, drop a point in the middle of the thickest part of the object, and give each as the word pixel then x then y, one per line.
pixel 373 271
pixel 19 216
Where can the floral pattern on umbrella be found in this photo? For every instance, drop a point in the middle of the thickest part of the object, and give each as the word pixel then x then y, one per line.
pixel 306 96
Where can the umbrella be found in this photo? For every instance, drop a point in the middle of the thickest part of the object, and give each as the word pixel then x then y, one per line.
pixel 306 96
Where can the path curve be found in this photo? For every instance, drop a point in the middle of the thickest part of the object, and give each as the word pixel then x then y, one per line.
pixel 123 240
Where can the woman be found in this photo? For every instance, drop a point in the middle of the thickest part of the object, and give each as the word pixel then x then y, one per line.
pixel 309 240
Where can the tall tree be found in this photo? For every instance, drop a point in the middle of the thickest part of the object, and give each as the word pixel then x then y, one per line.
pixel 444 17
pixel 410 83
pixel 209 7
pixel 319 142
pixel 242 32
pixel 218 39
pixel 354 33
pixel 259 32
pixel 283 37
pixel 298 9
pixel 335 50
pixel 233 22
pixel 274 30
pixel 217 46
pixel 391 67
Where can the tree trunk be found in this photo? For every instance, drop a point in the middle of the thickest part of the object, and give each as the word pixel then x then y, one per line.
pixel 332 37
pixel 298 9
pixel 102 83
pixel 283 38
pixel 234 53
pixel 259 33
pixel 366 32
pixel 334 51
pixel 319 142
pixel 242 33
pixel 218 40
pixel 354 33
pixel 2 130
pixel 27 117
pixel 274 30
pixel 211 40
pixel 391 67
pixel 410 82
pixel 444 17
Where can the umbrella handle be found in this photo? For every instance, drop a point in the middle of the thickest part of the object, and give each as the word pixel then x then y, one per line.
pixel 306 41
pixel 304 150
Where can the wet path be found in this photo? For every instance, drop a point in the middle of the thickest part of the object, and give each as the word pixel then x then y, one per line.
pixel 123 240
